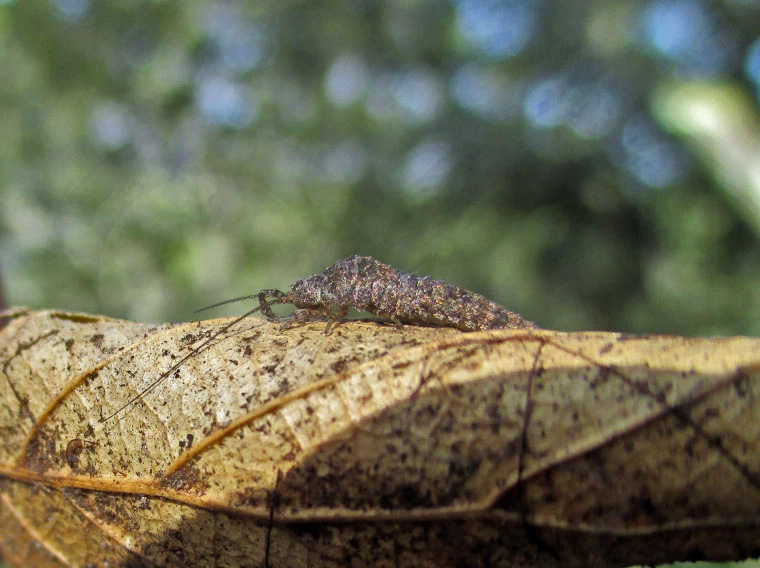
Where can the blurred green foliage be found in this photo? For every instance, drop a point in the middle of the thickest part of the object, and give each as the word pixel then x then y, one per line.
pixel 159 156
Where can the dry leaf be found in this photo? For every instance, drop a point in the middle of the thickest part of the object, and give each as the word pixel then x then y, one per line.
pixel 373 446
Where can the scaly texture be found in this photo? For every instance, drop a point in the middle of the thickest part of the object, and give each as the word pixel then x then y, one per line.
pixel 367 284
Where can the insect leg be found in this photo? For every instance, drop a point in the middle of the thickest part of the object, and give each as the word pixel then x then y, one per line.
pixel 321 313
pixel 390 317
pixel 335 317
pixel 264 304
pixel 305 314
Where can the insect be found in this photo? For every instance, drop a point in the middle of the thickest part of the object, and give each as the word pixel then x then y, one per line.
pixel 368 285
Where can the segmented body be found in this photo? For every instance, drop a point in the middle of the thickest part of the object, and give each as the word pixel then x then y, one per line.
pixel 369 285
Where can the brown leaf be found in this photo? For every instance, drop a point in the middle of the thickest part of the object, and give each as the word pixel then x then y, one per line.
pixel 373 446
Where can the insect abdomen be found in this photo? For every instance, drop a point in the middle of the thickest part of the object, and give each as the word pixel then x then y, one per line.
pixel 402 297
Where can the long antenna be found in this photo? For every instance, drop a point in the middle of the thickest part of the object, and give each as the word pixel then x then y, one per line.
pixel 193 351
pixel 228 302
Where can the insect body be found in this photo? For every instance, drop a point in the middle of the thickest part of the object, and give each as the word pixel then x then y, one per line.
pixel 369 285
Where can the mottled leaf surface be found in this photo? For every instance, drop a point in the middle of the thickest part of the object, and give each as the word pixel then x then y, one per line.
pixel 372 446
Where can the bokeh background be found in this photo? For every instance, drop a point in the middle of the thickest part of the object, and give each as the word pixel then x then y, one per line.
pixel 592 165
